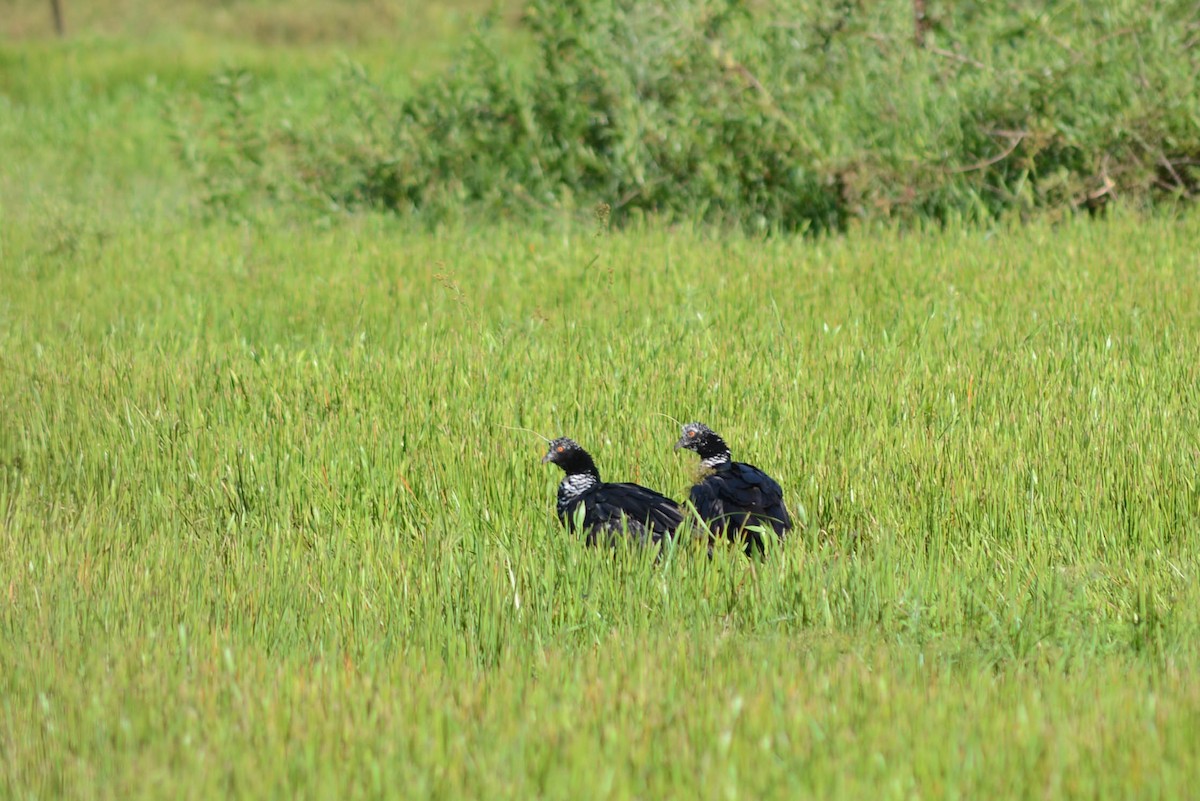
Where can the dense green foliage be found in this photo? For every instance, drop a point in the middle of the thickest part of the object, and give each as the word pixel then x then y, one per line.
pixel 788 115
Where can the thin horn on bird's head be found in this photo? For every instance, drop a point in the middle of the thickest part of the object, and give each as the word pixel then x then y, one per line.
pixel 528 431
pixel 669 417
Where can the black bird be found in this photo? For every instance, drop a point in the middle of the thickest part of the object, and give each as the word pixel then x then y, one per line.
pixel 733 495
pixel 608 509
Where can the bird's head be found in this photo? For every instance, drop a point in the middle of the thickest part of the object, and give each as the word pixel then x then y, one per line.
pixel 703 440
pixel 569 455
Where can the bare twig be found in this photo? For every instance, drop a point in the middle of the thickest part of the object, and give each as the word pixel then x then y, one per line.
pixel 627 197
pixel 886 41
pixel 1007 133
pixel 1015 138
pixel 937 51
pixel 1097 197
pixel 1114 35
pixel 1161 159
pixel 1078 55
pixel 1170 168
pixel 748 76
pixel 728 62
pixel 1063 43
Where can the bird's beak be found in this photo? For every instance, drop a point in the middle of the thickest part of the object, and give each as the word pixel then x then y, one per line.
pixel 681 443
pixel 547 457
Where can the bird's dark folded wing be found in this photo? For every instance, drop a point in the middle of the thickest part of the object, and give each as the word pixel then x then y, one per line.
pixel 768 495
pixel 707 498
pixel 768 484
pixel 612 521
pixel 738 494
pixel 644 505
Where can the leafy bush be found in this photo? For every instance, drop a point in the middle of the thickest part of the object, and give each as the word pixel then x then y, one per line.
pixel 787 115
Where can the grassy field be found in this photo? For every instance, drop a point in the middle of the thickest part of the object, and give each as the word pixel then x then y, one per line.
pixel 263 531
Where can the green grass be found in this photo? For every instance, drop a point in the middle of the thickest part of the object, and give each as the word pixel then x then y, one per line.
pixel 264 533
pixel 89 122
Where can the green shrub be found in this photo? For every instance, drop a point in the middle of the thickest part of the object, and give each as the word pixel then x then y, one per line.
pixel 783 115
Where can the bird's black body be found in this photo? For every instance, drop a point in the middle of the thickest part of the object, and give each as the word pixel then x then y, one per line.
pixel 609 510
pixel 733 495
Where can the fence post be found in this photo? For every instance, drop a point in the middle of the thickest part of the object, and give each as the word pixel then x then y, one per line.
pixel 60 26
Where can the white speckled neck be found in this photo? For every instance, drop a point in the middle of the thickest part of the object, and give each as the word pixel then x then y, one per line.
pixel 713 462
pixel 576 484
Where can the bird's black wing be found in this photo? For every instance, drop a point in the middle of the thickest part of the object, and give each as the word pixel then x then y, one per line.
pixel 740 495
pixel 762 496
pixel 646 513
pixel 709 499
